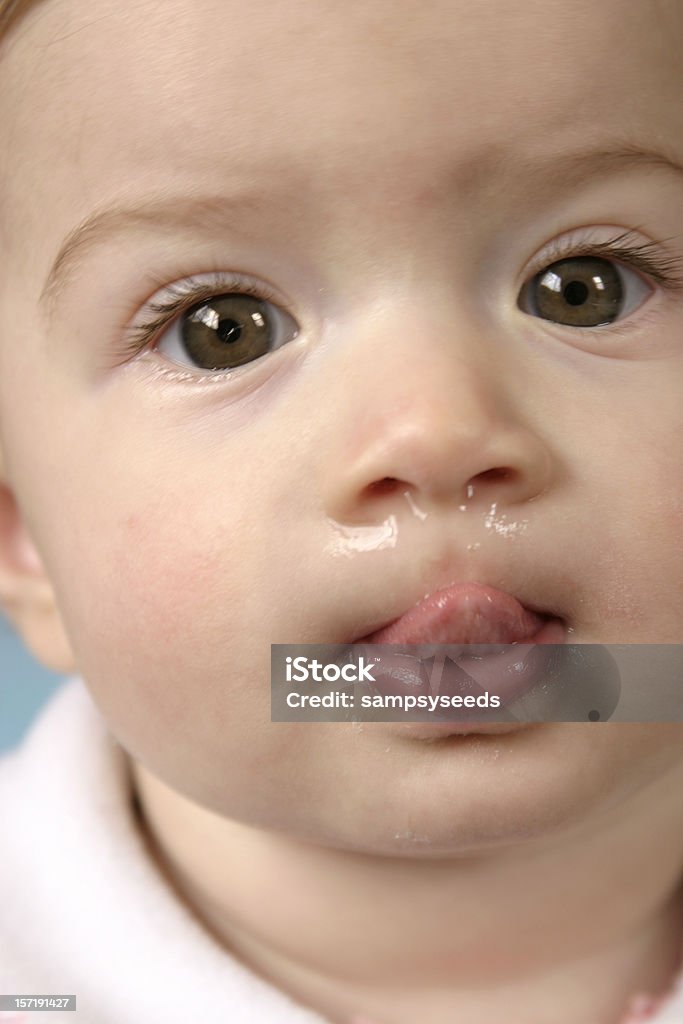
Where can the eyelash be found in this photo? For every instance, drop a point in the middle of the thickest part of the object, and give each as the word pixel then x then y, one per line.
pixel 188 294
pixel 650 258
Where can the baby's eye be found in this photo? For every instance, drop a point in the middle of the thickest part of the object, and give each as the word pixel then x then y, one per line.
pixel 583 291
pixel 225 331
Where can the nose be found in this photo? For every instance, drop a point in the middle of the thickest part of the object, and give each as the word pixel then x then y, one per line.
pixel 430 411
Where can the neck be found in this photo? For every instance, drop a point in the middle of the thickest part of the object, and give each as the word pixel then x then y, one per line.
pixel 562 929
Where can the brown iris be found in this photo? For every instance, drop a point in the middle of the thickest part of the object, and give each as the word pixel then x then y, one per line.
pixel 584 291
pixel 226 331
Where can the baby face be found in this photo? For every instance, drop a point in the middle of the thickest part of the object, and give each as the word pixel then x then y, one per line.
pixel 281 354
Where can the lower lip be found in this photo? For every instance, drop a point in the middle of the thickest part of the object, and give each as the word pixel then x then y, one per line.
pixel 421 731
pixel 508 675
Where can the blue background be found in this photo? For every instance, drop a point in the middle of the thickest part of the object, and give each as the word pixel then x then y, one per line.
pixel 24 686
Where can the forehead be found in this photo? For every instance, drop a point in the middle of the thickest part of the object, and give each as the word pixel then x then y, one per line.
pixel 103 100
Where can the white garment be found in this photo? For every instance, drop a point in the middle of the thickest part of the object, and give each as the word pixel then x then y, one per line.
pixel 84 910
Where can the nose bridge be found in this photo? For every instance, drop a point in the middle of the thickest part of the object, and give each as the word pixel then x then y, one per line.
pixel 424 403
pixel 417 372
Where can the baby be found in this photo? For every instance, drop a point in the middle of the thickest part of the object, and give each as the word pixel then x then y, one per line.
pixel 308 311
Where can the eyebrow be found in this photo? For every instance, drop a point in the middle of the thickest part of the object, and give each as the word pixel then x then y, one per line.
pixel 165 211
pixel 212 211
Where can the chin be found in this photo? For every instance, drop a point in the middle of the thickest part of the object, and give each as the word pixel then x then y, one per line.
pixel 462 795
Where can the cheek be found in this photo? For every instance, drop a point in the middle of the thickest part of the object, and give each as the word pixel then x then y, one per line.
pixel 671 511
pixel 642 516
pixel 163 615
pixel 660 497
pixel 172 653
pixel 170 575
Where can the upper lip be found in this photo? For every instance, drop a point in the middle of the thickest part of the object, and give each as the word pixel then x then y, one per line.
pixel 544 611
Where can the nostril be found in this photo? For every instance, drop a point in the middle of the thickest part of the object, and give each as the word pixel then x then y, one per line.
pixel 493 475
pixel 385 486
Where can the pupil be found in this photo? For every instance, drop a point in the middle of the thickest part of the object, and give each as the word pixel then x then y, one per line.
pixel 229 330
pixel 575 293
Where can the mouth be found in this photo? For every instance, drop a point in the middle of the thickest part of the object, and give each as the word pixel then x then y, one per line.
pixel 494 641
pixel 479 619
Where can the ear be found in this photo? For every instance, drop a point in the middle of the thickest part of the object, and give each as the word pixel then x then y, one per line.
pixel 26 594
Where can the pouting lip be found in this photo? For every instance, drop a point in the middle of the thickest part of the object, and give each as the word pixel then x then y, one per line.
pixel 545 613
